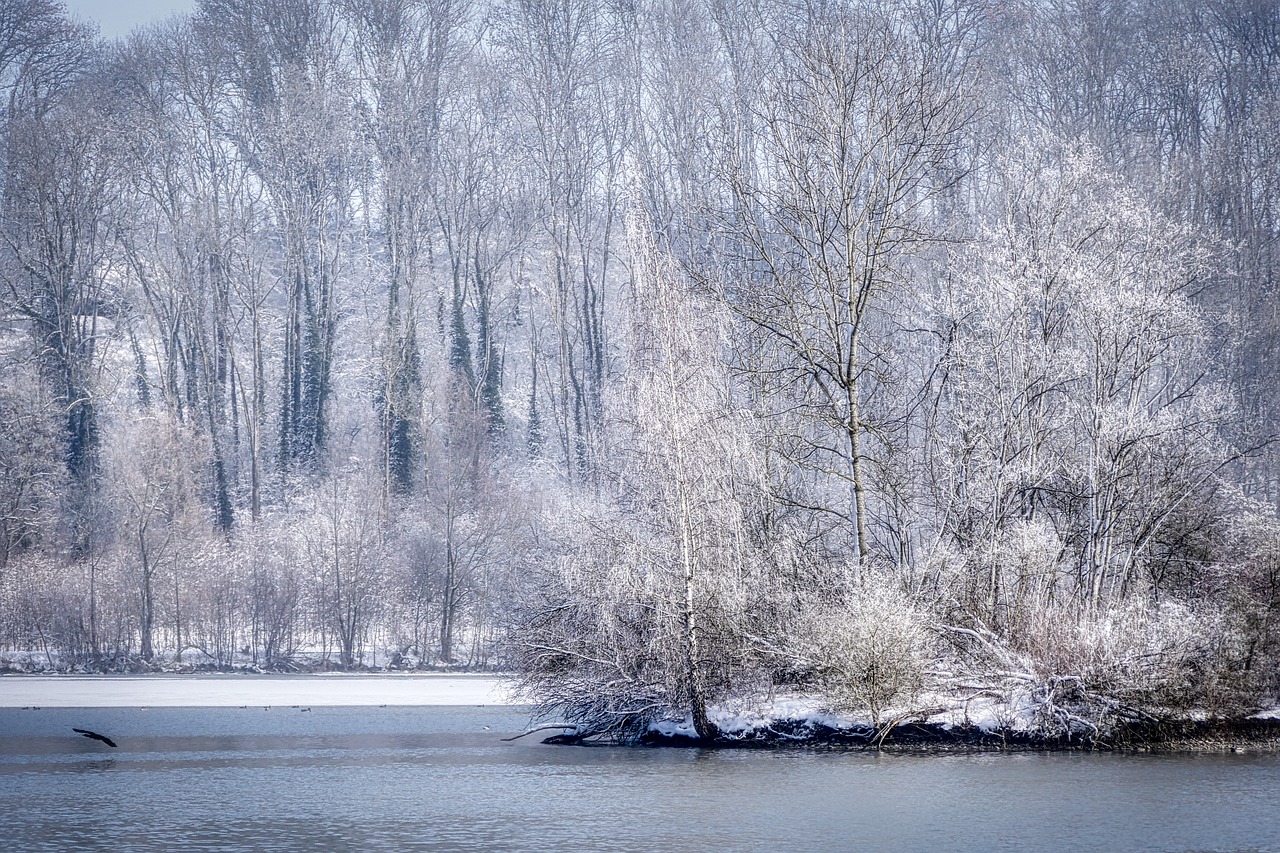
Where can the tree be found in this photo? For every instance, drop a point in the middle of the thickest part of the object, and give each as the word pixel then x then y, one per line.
pixel 31 475
pixel 1080 385
pixel 406 51
pixel 152 497
pixel 58 216
pixel 571 120
pixel 648 611
pixel 40 51
pixel 275 595
pixel 184 250
pixel 474 516
pixel 292 125
pixel 343 547
pixel 830 191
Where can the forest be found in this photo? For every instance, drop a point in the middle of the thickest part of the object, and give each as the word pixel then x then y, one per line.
pixel 670 354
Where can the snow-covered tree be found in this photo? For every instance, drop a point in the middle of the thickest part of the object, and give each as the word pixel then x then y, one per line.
pixel 648 610
pixel 829 189
pixel 1080 389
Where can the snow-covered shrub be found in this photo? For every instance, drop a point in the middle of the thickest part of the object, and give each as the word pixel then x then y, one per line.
pixel 601 637
pixel 1006 576
pixel 1148 656
pixel 868 654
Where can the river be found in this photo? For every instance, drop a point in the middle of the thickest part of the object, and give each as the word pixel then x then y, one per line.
pixel 440 778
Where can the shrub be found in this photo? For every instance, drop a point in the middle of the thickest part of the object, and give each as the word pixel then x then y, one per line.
pixel 868 654
pixel 1144 655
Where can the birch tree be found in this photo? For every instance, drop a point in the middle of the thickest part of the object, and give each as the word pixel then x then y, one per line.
pixel 647 616
pixel 830 196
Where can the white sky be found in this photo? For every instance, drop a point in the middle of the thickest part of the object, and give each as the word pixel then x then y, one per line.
pixel 117 17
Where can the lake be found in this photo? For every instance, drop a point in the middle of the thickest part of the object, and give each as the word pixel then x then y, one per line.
pixel 440 778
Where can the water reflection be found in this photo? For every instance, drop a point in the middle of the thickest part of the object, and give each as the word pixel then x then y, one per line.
pixel 442 779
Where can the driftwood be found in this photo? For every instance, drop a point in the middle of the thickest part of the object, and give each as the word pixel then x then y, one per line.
pixel 539 729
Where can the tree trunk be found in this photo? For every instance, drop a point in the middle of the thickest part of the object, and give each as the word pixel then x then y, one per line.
pixel 449 603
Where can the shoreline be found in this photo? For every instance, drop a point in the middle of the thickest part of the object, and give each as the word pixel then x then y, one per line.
pixel 1228 735
pixel 1249 734
pixel 235 689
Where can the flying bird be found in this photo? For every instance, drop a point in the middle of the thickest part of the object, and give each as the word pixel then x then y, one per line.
pixel 95 736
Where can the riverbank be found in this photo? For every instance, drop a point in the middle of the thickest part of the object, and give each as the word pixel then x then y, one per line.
pixel 981 724
pixel 793 725
pixel 373 660
pixel 232 690
pixel 1258 733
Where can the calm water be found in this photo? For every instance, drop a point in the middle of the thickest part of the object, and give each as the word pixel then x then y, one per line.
pixel 440 779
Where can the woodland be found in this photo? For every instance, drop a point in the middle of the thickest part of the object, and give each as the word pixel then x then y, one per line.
pixel 673 355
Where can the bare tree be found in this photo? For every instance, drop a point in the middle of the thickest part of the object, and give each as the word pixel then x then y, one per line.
pixel 184 250
pixel 406 51
pixel 571 116
pixel 57 235
pixel 830 193
pixel 292 125
pixel 31 474
pixel 152 497
pixel 1080 379
pixel 648 614
pixel 344 551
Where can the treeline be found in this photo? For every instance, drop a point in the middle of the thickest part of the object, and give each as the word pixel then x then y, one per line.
pixel 672 353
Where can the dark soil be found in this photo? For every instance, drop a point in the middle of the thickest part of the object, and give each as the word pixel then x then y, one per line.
pixel 1214 735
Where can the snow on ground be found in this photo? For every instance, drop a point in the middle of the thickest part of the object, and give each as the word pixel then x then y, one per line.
pixel 793 709
pixel 233 691
pixel 984 712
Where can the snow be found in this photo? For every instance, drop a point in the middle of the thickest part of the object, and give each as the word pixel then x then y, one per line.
pixel 985 712
pixel 795 709
pixel 114 691
pixel 674 728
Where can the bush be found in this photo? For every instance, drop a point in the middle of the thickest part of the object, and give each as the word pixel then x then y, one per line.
pixel 868 654
pixel 1149 656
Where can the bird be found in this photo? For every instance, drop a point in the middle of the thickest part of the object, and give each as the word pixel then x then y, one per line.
pixel 95 736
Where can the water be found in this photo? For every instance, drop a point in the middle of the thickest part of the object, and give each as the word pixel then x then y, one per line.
pixel 440 778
